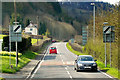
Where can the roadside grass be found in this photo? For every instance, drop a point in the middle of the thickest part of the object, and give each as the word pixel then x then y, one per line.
pixel 30 54
pixel 1 36
pixel 2 78
pixel 109 70
pixel 72 50
pixel 23 60
pixel 6 68
pixel 34 41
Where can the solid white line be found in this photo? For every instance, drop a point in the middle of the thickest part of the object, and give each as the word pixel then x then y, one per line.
pixel 38 67
pixel 107 75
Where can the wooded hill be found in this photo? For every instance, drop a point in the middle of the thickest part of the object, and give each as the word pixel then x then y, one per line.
pixel 62 21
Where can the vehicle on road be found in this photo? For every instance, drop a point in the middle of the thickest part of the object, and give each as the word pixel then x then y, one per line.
pixel 53 41
pixel 85 62
pixel 53 50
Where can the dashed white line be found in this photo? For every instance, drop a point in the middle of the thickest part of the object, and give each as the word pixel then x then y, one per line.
pixel 69 74
pixel 65 68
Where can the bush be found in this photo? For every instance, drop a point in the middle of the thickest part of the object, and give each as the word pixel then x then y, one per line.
pixel 22 46
pixel 4 53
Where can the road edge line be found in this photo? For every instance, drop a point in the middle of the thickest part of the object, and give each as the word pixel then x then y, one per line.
pixel 32 72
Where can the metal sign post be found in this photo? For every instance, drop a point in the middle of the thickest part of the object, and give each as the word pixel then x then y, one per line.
pixel 15 36
pixel 105 53
pixel 10 46
pixel 110 47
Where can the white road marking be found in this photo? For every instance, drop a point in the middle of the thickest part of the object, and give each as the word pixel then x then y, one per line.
pixel 107 75
pixel 38 67
pixel 66 67
pixel 69 74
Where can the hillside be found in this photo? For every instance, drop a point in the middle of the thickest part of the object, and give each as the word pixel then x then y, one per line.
pixel 63 21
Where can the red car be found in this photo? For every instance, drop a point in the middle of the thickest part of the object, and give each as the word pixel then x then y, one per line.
pixel 53 50
pixel 53 41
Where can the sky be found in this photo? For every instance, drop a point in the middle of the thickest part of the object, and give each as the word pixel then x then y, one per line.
pixel 110 1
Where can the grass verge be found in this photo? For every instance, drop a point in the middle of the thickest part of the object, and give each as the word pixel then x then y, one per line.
pixel 23 60
pixel 2 78
pixel 72 50
pixel 111 71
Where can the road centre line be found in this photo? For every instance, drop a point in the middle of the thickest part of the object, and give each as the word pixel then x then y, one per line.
pixel 66 68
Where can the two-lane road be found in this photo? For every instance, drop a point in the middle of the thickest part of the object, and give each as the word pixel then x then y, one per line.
pixel 61 65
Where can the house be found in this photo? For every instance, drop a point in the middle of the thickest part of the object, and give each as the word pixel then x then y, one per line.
pixel 31 29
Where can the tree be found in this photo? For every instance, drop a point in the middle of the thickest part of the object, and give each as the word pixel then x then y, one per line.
pixel 19 19
pixel 47 33
pixel 42 28
pixel 27 22
pixel 56 7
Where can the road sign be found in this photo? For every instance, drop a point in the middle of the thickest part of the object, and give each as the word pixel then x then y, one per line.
pixel 108 34
pixel 106 29
pixel 84 35
pixel 17 28
pixel 72 41
pixel 15 33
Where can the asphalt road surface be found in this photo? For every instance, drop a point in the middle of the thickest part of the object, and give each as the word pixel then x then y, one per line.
pixel 61 65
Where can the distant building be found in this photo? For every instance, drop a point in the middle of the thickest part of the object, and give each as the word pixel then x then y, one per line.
pixel 31 29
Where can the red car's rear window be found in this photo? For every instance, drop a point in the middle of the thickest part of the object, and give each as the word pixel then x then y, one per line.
pixel 53 48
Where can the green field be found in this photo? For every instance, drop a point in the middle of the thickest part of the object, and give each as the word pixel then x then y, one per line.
pixel 1 36
pixel 111 71
pixel 33 41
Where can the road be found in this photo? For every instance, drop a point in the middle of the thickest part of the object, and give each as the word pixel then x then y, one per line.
pixel 61 65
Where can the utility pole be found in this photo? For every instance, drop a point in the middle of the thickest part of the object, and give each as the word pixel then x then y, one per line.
pixel 93 4
pixel 16 34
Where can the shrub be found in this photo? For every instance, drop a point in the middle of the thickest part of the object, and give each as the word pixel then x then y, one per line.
pixel 22 46
pixel 5 53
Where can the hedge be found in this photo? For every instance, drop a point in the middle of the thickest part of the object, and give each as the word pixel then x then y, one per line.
pixel 22 46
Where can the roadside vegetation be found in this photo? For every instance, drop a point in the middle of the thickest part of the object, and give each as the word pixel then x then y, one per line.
pixel 23 60
pixel 111 71
pixel 24 57
pixel 34 41
pixel 1 36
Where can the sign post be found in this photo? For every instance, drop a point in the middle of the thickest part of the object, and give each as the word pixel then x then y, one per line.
pixel 10 45
pixel 108 36
pixel 15 36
